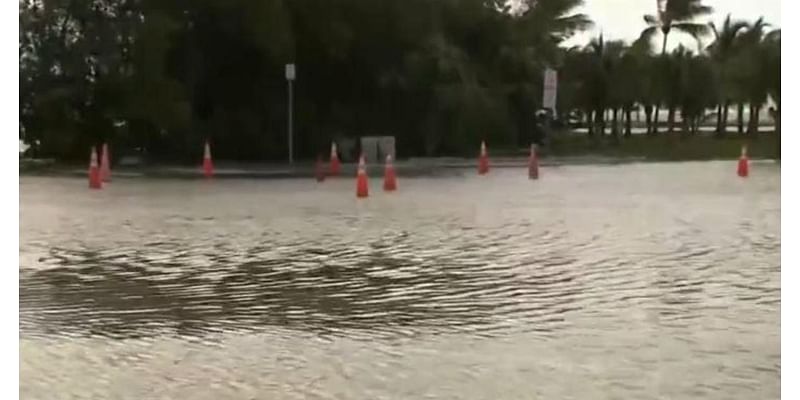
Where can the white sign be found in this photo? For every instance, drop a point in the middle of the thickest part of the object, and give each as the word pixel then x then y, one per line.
pixel 290 72
pixel 23 147
pixel 550 89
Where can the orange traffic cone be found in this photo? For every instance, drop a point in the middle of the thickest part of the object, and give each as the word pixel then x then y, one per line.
pixel 208 165
pixel 319 171
pixel 335 165
pixel 483 160
pixel 743 169
pixel 389 178
pixel 533 164
pixel 95 182
pixel 362 186
pixel 105 166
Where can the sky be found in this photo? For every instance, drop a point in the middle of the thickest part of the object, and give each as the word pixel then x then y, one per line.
pixel 623 19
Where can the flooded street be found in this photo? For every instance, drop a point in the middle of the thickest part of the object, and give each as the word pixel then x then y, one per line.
pixel 640 281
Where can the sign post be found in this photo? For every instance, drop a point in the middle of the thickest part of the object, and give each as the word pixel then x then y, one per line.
pixel 550 89
pixel 290 75
pixel 549 99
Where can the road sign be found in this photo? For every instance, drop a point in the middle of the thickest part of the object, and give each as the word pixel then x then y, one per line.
pixel 550 89
pixel 290 74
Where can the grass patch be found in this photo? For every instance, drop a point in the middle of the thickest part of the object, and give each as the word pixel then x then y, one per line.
pixel 666 147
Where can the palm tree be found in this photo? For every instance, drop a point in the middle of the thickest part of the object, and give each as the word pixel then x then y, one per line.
pixel 678 15
pixel 616 92
pixel 597 82
pixel 573 85
pixel 772 77
pixel 722 51
pixel 541 25
pixel 697 89
pixel 670 78
pixel 629 84
pixel 752 87
pixel 602 75
pixel 646 91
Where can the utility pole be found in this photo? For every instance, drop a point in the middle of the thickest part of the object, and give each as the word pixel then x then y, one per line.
pixel 290 75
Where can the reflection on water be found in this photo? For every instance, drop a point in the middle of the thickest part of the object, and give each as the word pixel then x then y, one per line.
pixel 634 281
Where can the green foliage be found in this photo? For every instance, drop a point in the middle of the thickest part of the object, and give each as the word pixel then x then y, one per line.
pixel 676 15
pixel 164 75
pixel 665 147
pixel 439 75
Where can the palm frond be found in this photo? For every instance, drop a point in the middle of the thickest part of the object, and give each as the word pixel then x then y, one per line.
pixel 773 35
pixel 695 30
pixel 648 34
pixel 573 23
pixel 651 19
pixel 754 32
pixel 714 28
pixel 596 45
pixel 684 10
pixel 699 10
pixel 642 45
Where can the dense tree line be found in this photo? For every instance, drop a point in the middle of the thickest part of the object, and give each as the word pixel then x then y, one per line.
pixel 439 75
pixel 740 67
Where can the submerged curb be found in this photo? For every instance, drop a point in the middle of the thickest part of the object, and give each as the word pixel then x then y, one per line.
pixel 410 168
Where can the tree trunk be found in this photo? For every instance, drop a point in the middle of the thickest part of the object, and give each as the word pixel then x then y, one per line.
pixel 752 123
pixel 603 122
pixel 778 128
pixel 719 119
pixel 684 125
pixel 600 121
pixel 725 108
pixel 614 122
pixel 589 123
pixel 655 119
pixel 671 119
pixel 740 118
pixel 628 121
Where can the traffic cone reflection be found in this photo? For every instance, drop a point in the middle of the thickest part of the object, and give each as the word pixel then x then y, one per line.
pixel 389 178
pixel 105 166
pixel 319 171
pixel 533 164
pixel 362 186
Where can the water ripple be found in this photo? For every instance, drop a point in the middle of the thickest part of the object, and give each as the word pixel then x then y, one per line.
pixel 575 276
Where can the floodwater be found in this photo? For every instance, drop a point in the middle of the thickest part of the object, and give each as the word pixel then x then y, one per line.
pixel 639 281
